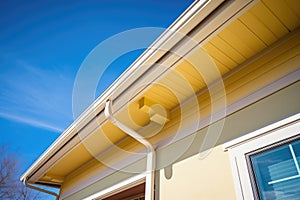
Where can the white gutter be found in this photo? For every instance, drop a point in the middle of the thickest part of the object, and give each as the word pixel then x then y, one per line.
pixel 150 167
pixel 39 189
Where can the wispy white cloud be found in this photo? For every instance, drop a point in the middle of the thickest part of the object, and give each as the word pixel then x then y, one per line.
pixel 37 96
pixel 32 122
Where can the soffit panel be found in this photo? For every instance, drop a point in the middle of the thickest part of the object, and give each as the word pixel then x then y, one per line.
pixel 252 32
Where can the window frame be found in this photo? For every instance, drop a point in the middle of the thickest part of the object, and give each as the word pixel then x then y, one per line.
pixel 119 187
pixel 262 150
pixel 264 139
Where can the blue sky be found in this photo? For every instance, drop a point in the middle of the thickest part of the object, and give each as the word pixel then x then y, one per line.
pixel 42 45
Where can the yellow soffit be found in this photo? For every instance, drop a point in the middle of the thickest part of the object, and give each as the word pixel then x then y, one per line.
pixel 231 39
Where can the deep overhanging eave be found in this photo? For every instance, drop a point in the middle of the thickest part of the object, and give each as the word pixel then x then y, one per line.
pixel 185 24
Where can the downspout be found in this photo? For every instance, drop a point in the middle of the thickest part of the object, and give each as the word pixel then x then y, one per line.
pixel 39 189
pixel 150 167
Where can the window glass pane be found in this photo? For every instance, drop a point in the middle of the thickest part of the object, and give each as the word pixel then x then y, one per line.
pixel 296 147
pixel 277 172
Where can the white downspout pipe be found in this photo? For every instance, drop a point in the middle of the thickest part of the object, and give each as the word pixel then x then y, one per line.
pixel 150 167
pixel 40 189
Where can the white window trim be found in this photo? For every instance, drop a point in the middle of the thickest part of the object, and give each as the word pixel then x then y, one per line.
pixel 119 187
pixel 263 137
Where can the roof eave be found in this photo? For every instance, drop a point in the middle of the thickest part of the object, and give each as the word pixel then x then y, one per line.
pixel 184 24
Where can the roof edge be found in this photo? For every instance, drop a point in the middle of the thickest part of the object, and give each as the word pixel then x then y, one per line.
pixel 181 23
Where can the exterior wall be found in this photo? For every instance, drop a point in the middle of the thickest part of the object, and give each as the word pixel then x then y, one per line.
pixel 195 179
pixel 209 178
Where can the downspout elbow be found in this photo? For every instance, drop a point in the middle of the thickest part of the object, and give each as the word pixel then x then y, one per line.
pixel 109 115
pixel 26 184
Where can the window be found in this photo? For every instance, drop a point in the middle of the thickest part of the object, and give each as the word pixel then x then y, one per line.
pixel 275 172
pixel 133 193
pixel 129 189
pixel 266 163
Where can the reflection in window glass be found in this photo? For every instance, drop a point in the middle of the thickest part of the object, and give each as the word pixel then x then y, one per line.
pixel 277 172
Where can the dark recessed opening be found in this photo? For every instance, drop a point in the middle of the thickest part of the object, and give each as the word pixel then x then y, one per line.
pixel 134 193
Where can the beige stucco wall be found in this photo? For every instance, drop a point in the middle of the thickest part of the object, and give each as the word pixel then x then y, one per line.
pixel 196 179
